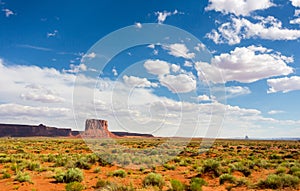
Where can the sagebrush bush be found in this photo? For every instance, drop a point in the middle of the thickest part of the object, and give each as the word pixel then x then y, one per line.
pixel 177 185
pixel 153 179
pixel 119 173
pixel 22 177
pixel 72 175
pixel 211 165
pixel 74 186
pixel 275 181
pixel 227 178
pixel 196 184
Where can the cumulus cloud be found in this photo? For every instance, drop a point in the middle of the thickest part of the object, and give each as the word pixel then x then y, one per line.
pixel 114 71
pixel 157 67
pixel 268 28
pixel 76 68
pixel 238 7
pixel 8 12
pixel 41 94
pixel 182 83
pixel 274 112
pixel 134 81
pixel 234 91
pixel 140 110
pixel 295 3
pixel 138 25
pixel 203 98
pixel 200 47
pixel 162 16
pixel 52 34
pixel 179 50
pixel 245 64
pixel 175 68
pixel 284 85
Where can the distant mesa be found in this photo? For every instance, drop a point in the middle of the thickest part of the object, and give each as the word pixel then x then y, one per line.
pixel 16 130
pixel 94 128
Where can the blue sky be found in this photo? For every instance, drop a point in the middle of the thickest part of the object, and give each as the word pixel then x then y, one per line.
pixel 44 45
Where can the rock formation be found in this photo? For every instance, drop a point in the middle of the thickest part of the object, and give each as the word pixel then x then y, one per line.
pixel 95 128
pixel 14 130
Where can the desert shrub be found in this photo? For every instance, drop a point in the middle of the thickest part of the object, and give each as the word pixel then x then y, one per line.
pixel 241 182
pixel 72 175
pixel 183 163
pixel 196 184
pixel 211 165
pixel 239 166
pixel 110 186
pixel 97 170
pixel 227 178
pixel 74 186
pixel 22 177
pixel 6 175
pixel 83 163
pixel 169 167
pixel 119 173
pixel 177 185
pixel 274 181
pixel 281 170
pixel 33 166
pixel 153 179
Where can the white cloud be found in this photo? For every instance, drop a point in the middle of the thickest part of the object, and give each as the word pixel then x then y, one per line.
pixel 41 94
pixel 134 81
pixel 188 64
pixel 182 83
pixel 175 68
pixel 114 71
pixel 295 3
pixel 157 67
pixel 151 46
pixel 138 25
pixel 284 85
pixel 234 91
pixel 274 112
pixel 8 12
pixel 179 50
pixel 238 7
pixel 237 29
pixel 203 98
pixel 295 21
pixel 297 12
pixel 245 64
pixel 76 68
pixel 23 110
pixel 52 34
pixel 90 55
pixel 162 16
pixel 139 110
pixel 200 47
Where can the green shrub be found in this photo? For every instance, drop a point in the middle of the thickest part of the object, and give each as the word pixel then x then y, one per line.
pixel 22 177
pixel 119 173
pixel 74 186
pixel 177 185
pixel 33 166
pixel 169 167
pixel 281 170
pixel 211 165
pixel 153 179
pixel 83 163
pixel 110 186
pixel 196 184
pixel 6 175
pixel 227 178
pixel 72 175
pixel 274 181
pixel 97 170
pixel 239 166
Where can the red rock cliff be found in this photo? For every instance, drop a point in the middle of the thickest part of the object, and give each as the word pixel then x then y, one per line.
pixel 97 128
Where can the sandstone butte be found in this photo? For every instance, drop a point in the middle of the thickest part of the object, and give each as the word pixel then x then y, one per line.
pixel 94 128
